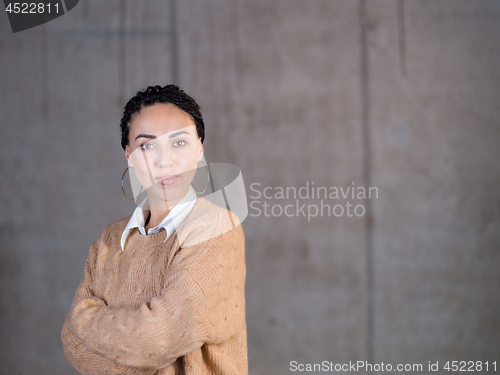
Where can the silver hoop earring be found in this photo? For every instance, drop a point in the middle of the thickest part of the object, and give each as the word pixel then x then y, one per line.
pixel 123 189
pixel 208 179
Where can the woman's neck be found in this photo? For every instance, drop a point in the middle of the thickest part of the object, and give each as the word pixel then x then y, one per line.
pixel 155 217
pixel 158 210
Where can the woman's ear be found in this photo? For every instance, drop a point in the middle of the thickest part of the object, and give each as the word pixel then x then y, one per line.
pixel 128 157
pixel 201 150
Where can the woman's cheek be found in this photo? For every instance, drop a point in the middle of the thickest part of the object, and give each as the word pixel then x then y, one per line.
pixel 142 171
pixel 189 175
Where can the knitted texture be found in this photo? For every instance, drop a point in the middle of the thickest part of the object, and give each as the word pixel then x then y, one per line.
pixel 174 307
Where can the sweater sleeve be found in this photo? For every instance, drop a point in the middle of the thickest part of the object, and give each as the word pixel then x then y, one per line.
pixel 75 351
pixel 89 363
pixel 205 286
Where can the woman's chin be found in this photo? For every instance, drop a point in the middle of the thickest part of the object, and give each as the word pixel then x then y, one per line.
pixel 160 195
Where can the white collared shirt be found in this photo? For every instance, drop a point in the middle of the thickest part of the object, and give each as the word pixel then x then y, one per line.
pixel 174 218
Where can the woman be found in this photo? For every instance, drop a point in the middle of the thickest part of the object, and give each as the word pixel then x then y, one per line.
pixel 163 289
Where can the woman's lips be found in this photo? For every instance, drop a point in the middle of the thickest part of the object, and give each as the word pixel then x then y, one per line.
pixel 167 180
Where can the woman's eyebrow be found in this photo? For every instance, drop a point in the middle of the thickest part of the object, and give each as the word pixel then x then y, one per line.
pixel 178 133
pixel 146 136
pixel 173 135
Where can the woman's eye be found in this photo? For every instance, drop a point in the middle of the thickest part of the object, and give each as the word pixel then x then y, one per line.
pixel 179 143
pixel 147 146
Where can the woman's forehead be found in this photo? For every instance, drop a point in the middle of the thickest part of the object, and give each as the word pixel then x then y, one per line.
pixel 161 119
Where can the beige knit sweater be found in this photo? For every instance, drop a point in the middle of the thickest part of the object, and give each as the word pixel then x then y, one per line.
pixel 174 307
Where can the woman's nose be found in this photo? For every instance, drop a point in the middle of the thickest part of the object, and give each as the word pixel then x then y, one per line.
pixel 163 156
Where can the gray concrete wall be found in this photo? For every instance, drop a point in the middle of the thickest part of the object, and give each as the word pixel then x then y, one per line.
pixel 398 95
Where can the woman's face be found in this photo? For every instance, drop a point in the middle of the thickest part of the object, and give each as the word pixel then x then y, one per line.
pixel 163 149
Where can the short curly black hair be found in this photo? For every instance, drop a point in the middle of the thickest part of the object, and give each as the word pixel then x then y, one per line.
pixel 157 94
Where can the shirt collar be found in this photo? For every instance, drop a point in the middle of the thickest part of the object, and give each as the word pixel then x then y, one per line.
pixel 170 223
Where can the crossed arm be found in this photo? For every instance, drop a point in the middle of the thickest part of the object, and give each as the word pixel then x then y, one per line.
pixel 140 340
